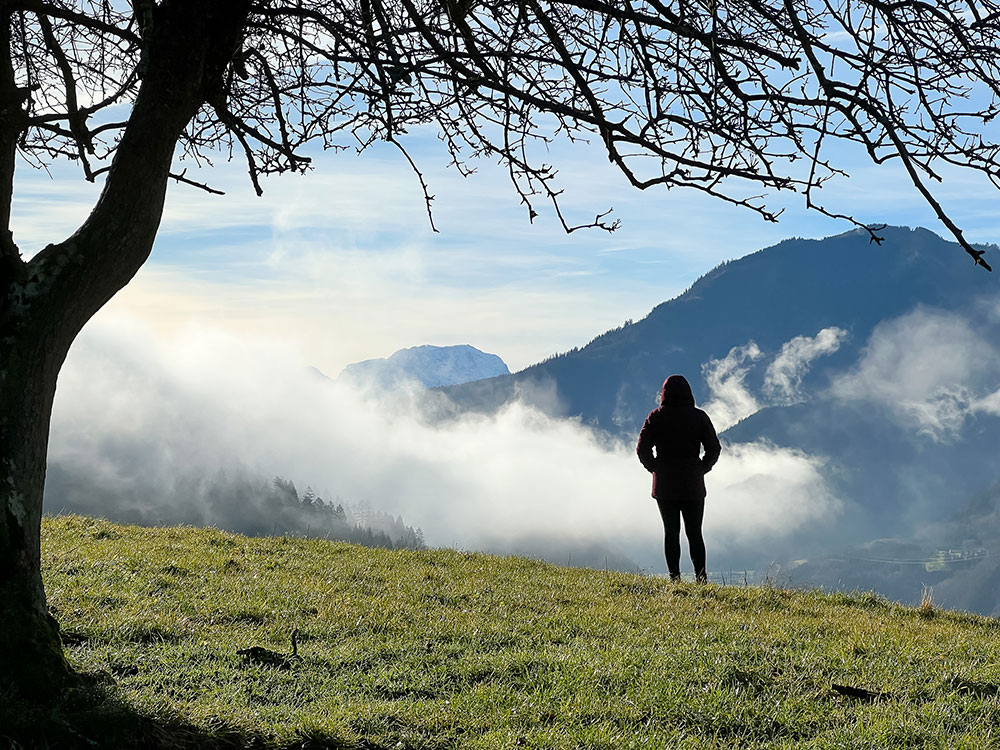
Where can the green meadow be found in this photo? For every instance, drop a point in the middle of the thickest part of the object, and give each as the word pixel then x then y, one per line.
pixel 448 649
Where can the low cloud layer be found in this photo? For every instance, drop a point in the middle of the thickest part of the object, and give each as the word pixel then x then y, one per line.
pixel 768 492
pixel 132 404
pixel 931 369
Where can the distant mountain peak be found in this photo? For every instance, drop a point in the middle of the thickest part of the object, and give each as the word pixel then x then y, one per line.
pixel 426 366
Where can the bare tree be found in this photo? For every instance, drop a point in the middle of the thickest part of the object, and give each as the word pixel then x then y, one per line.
pixel 738 99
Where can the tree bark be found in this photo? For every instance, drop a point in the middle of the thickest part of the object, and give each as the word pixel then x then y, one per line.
pixel 45 302
pixel 31 656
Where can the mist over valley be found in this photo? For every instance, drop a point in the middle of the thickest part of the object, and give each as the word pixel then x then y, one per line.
pixel 856 388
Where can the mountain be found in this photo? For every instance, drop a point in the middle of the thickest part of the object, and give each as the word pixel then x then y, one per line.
pixel 878 360
pixel 795 288
pixel 426 367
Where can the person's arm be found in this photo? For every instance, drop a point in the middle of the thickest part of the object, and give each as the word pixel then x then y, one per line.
pixel 645 447
pixel 712 445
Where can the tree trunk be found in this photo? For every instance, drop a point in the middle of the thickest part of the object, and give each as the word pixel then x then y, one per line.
pixel 45 302
pixel 31 656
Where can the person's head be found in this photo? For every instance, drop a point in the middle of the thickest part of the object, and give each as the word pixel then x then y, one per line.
pixel 676 391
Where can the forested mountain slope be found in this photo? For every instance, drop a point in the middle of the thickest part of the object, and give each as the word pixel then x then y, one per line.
pixel 795 288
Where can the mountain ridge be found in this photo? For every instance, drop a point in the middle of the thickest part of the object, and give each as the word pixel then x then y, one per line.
pixel 769 296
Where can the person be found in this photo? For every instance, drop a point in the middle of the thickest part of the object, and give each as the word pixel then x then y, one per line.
pixel 670 445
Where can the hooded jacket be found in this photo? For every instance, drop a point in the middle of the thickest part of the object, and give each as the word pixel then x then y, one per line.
pixel 678 431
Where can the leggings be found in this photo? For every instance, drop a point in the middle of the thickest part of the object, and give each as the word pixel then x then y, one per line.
pixel 693 510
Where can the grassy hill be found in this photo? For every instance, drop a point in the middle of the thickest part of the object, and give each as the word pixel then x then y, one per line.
pixel 441 649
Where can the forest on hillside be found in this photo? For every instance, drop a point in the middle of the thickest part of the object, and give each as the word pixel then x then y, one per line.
pixel 234 500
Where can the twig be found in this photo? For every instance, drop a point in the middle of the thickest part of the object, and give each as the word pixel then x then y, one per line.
pixel 200 185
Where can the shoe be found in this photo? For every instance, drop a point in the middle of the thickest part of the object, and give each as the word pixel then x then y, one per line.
pixel 701 578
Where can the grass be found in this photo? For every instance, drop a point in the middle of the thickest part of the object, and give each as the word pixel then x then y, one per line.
pixel 443 649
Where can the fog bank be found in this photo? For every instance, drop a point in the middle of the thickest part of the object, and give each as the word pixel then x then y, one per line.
pixel 132 403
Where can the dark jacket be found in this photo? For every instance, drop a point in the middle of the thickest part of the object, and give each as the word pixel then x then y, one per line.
pixel 678 431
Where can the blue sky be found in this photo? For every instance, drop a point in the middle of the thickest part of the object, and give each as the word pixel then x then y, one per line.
pixel 342 263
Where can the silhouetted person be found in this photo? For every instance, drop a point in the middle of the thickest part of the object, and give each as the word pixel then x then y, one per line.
pixel 670 444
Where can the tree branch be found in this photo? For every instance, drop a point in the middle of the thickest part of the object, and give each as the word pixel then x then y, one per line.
pixel 75 17
pixel 428 198
pixel 77 121
pixel 11 124
pixel 200 185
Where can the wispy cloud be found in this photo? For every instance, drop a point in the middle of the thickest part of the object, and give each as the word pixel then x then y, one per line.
pixel 932 369
pixel 783 379
pixel 730 399
pixel 353 236
pixel 369 306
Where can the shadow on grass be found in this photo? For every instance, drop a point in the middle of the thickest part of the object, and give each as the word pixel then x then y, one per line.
pixel 91 714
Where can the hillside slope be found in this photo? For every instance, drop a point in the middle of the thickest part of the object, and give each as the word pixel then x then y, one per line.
pixel 445 649
pixel 907 482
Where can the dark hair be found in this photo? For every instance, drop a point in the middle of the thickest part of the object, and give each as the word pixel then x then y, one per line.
pixel 676 391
